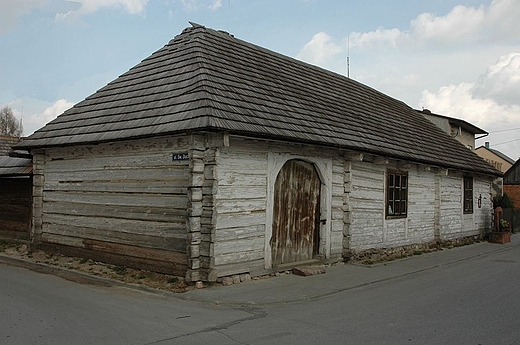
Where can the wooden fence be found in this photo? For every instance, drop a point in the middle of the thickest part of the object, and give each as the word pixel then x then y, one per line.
pixel 513 217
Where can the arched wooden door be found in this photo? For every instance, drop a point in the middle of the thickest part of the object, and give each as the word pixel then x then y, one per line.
pixel 295 235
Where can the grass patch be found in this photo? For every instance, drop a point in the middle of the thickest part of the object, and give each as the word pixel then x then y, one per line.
pixel 119 269
pixel 173 280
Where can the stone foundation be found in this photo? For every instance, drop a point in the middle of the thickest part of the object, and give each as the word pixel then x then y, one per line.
pixel 375 255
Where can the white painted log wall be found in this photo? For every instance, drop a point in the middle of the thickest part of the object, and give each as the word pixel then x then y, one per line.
pixel 482 187
pixel 133 193
pixel 240 207
pixel 240 204
pixel 367 226
pixel 451 207
pixel 338 208
pixel 454 223
pixel 125 192
pixel 418 226
pixel 366 205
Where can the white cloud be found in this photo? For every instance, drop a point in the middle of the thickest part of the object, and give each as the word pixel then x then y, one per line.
pixel 195 5
pixel 491 103
pixel 319 50
pixel 495 93
pixel 10 10
pixel 459 101
pixel 501 81
pixel 502 20
pixel 377 38
pixel 91 6
pixel 215 5
pixel 131 6
pixel 37 121
pixel 461 26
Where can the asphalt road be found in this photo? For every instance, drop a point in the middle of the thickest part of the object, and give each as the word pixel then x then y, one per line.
pixel 475 301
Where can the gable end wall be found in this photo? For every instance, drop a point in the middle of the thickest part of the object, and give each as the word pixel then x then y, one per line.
pixel 124 203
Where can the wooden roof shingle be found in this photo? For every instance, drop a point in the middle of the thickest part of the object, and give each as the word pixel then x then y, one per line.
pixel 6 144
pixel 205 79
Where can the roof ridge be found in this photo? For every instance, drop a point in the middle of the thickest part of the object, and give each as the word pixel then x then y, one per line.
pixel 208 79
pixel 498 153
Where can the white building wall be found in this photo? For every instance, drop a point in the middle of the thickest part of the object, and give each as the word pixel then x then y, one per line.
pixel 124 201
pixel 454 223
pixel 451 207
pixel 239 208
pixel 366 203
pixel 245 173
pixel 124 192
pixel 367 226
pixel 418 226
pixel 484 211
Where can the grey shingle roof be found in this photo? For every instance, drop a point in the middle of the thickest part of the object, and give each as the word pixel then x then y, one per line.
pixel 6 143
pixel 471 128
pixel 499 154
pixel 205 79
pixel 14 166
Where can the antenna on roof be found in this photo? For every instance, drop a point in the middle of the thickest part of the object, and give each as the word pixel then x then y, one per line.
pixel 21 124
pixel 348 56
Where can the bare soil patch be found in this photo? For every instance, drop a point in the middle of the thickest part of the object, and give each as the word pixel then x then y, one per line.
pixel 120 273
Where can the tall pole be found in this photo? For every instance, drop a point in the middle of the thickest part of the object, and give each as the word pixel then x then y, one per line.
pixel 348 56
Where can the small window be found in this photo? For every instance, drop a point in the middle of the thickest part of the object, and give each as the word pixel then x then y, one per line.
pixel 468 194
pixel 396 194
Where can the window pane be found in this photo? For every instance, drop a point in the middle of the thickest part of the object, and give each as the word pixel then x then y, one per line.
pixel 468 194
pixel 397 194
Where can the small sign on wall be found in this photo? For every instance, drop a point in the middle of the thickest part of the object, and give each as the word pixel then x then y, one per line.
pixel 183 156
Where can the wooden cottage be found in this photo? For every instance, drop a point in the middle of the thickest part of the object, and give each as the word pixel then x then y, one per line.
pixel 215 157
pixel 15 191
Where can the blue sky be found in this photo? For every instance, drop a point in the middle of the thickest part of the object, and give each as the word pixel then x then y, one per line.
pixel 457 58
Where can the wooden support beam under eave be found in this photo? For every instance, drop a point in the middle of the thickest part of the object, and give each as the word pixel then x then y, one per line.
pixel 354 156
pixel 381 161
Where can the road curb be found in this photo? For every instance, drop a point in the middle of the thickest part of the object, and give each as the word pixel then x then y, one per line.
pixel 77 276
pixel 85 278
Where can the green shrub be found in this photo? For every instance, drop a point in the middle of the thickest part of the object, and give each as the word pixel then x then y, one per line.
pixel 503 201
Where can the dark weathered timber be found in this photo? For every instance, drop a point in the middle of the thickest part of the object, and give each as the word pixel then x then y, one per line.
pixel 296 211
pixel 205 79
pixel 512 175
pixel 14 166
pixel 6 144
pixel 15 207
pixel 128 256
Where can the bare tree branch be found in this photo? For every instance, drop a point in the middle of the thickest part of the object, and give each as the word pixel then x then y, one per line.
pixel 9 125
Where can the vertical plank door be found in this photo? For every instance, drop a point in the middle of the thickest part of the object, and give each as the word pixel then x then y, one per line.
pixel 296 213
